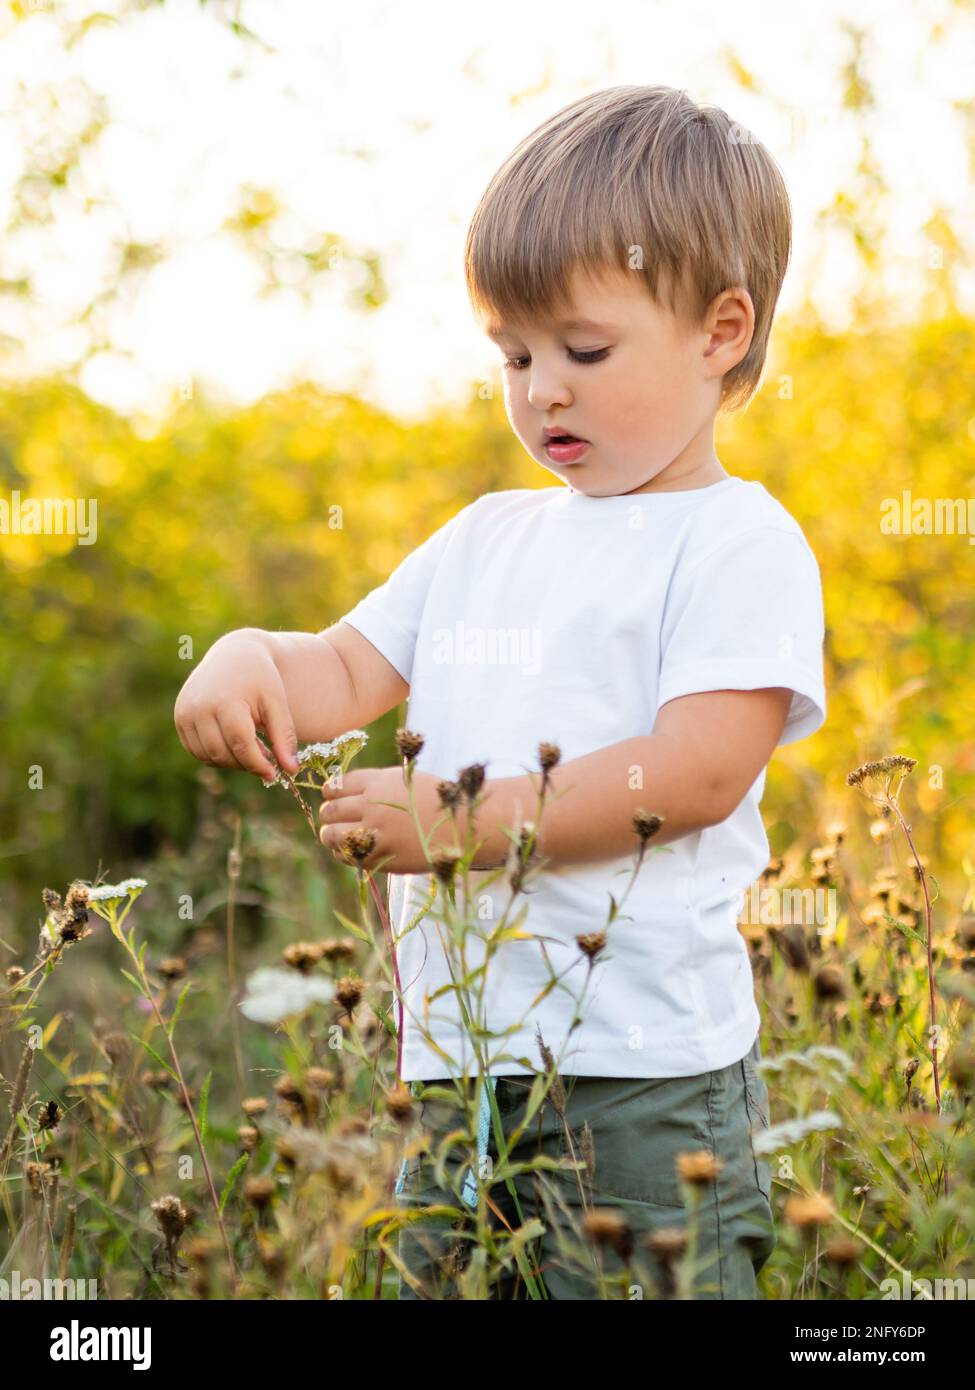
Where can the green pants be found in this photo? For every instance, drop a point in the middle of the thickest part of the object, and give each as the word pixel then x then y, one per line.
pixel 632 1130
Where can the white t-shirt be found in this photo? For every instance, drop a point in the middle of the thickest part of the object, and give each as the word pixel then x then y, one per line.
pixel 546 615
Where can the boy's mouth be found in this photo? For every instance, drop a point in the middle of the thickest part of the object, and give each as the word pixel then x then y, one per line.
pixel 565 448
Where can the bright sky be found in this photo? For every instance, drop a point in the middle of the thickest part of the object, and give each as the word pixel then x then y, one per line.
pixel 382 122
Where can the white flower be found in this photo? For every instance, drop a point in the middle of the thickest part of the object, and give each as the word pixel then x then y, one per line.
pixel 274 994
pixel 115 892
pixel 331 757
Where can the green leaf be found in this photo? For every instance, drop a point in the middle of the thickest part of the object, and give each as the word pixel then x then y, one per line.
pixel 155 1055
pixel 179 1005
pixel 232 1179
pixel 204 1105
pixel 353 927
pixel 133 981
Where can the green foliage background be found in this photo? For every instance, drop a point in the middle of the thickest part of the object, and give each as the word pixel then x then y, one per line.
pixel 284 514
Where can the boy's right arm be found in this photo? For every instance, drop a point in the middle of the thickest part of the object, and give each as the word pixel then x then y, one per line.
pixel 297 687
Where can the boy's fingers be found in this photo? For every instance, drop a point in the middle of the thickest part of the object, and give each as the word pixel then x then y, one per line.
pixel 277 723
pixel 347 813
pixel 241 745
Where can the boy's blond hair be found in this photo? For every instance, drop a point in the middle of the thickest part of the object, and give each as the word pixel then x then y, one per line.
pixel 645 179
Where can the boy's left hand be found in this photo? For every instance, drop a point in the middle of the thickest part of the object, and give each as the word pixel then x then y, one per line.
pixel 357 804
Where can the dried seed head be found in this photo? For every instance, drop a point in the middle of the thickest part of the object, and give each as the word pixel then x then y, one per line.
pixel 247 1138
pixel 828 982
pixel 449 794
pixel 669 1243
pixel 357 845
pixel 303 956
pixel 606 1226
pixel 349 992
pixel 836 831
pixel 699 1167
pixel 880 829
pixel 791 941
pixel 259 1191
pixel 774 867
pixel 399 1103
pixel 892 763
pixel 471 780
pixel 50 1115
pixel 156 1080
pixel 51 900
pixel 36 1173
pixel 843 1250
pixel 910 1071
pixel 645 824
pixel 286 1088
pixel 172 968
pixel 408 744
pixel 319 1078
pixel 201 1250
pixel 549 755
pixel 338 948
pixel 591 943
pixel 444 861
pixel 171 1216
pixel 254 1105
pixel 14 974
pixel 806 1213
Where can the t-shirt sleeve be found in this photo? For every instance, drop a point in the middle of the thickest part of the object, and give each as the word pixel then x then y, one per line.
pixel 389 616
pixel 746 617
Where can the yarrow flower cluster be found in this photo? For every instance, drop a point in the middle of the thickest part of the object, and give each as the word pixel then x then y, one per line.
pixel 115 892
pixel 326 759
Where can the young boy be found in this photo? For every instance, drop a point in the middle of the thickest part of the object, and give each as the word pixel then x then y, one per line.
pixel 658 620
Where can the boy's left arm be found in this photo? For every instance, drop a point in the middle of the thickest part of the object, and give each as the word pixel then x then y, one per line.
pixel 692 770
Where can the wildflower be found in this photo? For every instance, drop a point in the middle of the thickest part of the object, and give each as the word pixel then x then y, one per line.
pixel 303 956
pixel 399 1103
pixel 791 941
pixel 591 943
pixel 843 1250
pixel 254 1105
pixel 274 994
pixel 699 1168
pixel 471 780
pixel 319 1078
pixel 172 968
pixel 605 1226
pixel 807 1212
pixel 335 948
pixel 247 1137
pixel 549 755
pixel 645 825
pixel 326 759
pixel 836 832
pixel 259 1191
pixel 408 745
pixel 889 764
pixel 50 1115
pixel 443 862
pixel 171 1217
pixel 357 845
pixel 880 829
pixel 828 982
pixel 668 1243
pixel 349 992
pixel 449 794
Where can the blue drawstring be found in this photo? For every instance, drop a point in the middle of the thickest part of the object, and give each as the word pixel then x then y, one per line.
pixel 469 1190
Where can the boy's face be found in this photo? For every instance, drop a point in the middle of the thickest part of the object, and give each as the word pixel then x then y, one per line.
pixel 641 386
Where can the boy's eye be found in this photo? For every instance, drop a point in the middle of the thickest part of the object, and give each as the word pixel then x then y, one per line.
pixel 519 364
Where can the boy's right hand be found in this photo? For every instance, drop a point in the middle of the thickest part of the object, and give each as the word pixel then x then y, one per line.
pixel 234 691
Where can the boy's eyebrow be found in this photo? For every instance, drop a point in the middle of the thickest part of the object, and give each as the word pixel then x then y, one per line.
pixel 499 330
